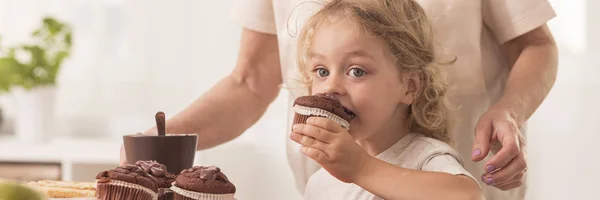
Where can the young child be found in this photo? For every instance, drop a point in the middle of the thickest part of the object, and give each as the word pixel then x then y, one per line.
pixel 377 57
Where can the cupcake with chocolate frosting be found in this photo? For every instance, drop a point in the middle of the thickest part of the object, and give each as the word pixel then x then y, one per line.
pixel 126 182
pixel 162 176
pixel 203 183
pixel 322 105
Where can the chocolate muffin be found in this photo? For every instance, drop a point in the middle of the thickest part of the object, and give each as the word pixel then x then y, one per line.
pixel 203 183
pixel 322 105
pixel 162 176
pixel 126 182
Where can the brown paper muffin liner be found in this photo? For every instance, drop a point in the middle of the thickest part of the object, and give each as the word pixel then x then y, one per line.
pixel 123 190
pixel 308 111
pixel 182 194
pixel 165 194
pixel 300 119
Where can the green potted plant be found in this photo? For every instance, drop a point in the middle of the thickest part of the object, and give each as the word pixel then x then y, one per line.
pixel 30 72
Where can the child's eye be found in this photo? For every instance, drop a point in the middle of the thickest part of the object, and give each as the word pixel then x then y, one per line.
pixel 322 72
pixel 356 72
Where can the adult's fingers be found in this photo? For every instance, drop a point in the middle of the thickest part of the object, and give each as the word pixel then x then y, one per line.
pixel 518 177
pixel 514 169
pixel 510 185
pixel 508 136
pixel 483 136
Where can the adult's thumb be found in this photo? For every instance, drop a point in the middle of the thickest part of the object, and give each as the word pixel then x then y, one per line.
pixel 481 143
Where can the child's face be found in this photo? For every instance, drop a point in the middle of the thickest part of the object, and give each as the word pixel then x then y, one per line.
pixel 358 68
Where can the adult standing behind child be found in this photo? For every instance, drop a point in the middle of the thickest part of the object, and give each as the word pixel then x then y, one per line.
pixel 506 64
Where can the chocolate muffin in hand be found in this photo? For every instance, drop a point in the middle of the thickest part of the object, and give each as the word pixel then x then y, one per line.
pixel 322 105
pixel 203 183
pixel 162 176
pixel 126 182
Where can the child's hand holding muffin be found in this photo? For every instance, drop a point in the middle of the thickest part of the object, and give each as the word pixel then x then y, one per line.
pixel 321 127
pixel 331 146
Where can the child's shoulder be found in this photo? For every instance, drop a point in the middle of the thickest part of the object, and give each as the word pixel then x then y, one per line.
pixel 422 142
pixel 430 154
pixel 421 149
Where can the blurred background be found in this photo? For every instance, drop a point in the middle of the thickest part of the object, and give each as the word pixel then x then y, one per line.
pixel 131 58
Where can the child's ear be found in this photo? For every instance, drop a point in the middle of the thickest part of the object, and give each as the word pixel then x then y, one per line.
pixel 411 83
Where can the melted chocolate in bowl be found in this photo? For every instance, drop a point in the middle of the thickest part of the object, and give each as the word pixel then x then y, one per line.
pixel 176 151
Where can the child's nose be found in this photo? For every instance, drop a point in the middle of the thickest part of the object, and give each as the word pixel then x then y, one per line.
pixel 334 86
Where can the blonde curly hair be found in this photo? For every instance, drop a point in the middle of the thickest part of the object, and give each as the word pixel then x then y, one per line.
pixel 404 27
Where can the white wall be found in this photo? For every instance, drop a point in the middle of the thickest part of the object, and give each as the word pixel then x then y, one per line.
pixel 564 156
pixel 135 57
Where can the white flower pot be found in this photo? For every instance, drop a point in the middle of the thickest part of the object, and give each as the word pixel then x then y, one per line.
pixel 34 113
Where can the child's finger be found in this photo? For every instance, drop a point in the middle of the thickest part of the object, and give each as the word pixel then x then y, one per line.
pixel 315 154
pixel 307 141
pixel 325 123
pixel 313 131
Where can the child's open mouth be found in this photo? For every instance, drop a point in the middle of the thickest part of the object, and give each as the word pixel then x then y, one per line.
pixel 350 113
pixel 335 98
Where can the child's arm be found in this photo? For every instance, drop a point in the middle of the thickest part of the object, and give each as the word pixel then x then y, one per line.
pixel 334 148
pixel 392 182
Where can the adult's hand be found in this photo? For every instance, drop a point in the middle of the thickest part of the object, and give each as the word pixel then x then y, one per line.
pixel 506 169
pixel 528 84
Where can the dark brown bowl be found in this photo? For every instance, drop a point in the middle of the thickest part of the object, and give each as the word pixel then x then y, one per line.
pixel 176 151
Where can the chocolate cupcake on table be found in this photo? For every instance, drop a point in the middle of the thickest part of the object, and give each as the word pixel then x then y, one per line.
pixel 203 183
pixel 321 105
pixel 162 176
pixel 126 182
